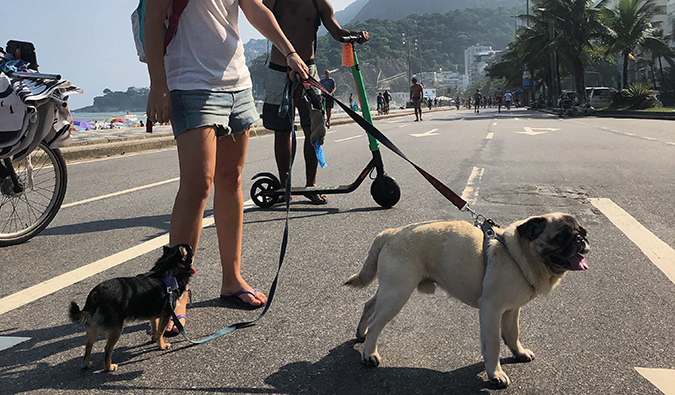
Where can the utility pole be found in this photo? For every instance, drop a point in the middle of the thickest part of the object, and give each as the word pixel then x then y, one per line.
pixel 528 13
pixel 404 44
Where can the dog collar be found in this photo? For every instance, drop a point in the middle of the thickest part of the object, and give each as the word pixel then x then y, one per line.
pixel 171 283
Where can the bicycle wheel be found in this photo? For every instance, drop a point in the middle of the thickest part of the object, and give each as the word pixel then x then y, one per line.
pixel 26 209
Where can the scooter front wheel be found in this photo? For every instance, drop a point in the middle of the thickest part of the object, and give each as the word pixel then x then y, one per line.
pixel 262 185
pixel 385 191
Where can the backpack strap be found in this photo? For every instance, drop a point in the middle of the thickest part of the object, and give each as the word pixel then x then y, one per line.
pixel 178 8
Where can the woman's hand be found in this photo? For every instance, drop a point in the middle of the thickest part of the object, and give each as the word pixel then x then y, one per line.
pixel 159 105
pixel 298 67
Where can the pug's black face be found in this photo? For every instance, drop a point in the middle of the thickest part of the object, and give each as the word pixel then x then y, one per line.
pixel 559 240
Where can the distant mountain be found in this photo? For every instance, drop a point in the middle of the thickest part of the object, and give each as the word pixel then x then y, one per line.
pixel 254 48
pixel 399 9
pixel 345 16
pixel 134 99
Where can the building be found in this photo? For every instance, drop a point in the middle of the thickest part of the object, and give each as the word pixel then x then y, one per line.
pixel 437 79
pixel 476 59
pixel 670 26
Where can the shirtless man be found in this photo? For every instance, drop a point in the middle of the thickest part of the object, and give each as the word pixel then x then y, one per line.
pixel 299 20
pixel 416 92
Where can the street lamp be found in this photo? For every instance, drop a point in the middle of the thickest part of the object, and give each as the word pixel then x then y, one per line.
pixel 404 42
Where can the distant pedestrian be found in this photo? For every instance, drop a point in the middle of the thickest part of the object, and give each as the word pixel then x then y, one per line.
pixel 477 98
pixel 330 86
pixel 416 91
pixel 499 96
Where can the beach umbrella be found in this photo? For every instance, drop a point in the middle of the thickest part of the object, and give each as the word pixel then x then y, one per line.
pixel 119 120
pixel 84 125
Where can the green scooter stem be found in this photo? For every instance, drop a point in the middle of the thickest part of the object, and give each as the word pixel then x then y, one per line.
pixel 363 99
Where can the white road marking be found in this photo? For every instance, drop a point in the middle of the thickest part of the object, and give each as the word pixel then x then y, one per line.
pixel 425 134
pixel 490 136
pixel 663 379
pixel 23 297
pixel 120 192
pixel 649 138
pixel 530 132
pixel 402 126
pixel 470 193
pixel 349 138
pixel 11 341
pixel 656 250
pixel 671 143
pixel 494 123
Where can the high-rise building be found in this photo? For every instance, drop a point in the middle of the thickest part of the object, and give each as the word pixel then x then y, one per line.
pixel 670 26
pixel 476 58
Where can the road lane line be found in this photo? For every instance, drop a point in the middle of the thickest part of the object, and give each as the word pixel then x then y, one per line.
pixel 660 253
pixel 120 193
pixel 663 379
pixel 349 138
pixel 470 193
pixel 11 341
pixel 23 297
pixel 402 126
pixel 490 136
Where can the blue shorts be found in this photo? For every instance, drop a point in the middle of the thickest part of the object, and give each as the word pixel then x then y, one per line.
pixel 228 112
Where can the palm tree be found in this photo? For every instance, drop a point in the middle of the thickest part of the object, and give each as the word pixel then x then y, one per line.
pixel 630 26
pixel 570 30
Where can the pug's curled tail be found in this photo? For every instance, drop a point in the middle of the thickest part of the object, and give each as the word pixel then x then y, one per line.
pixel 369 269
pixel 76 315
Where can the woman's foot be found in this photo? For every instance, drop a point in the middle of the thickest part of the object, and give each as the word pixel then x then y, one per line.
pixel 244 293
pixel 171 329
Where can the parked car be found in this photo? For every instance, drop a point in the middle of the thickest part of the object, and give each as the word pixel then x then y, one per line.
pixel 600 96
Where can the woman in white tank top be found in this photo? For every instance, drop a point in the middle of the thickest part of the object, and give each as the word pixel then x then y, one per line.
pixel 203 86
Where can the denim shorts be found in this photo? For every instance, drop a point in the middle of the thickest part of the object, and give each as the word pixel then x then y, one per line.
pixel 228 112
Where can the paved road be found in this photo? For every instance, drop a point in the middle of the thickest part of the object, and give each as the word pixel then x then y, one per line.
pixel 589 335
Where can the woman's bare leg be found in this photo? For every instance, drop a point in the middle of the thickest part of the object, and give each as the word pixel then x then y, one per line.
pixel 197 160
pixel 228 211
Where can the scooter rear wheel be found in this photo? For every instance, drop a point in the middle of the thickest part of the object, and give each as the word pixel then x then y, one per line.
pixel 385 191
pixel 262 185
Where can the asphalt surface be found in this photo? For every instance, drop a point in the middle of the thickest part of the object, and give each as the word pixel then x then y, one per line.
pixel 588 335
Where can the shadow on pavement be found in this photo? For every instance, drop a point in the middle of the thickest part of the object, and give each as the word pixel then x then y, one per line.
pixel 22 368
pixel 341 372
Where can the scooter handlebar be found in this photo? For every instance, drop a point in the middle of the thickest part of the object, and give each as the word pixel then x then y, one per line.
pixel 350 39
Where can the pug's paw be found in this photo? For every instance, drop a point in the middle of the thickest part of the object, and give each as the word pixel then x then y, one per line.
pixel 372 361
pixel 499 379
pixel 524 356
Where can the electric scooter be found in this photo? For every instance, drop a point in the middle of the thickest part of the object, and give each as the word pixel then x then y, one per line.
pixel 386 192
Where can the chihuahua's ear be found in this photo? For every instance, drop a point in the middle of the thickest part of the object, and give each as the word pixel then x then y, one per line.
pixel 185 252
pixel 166 250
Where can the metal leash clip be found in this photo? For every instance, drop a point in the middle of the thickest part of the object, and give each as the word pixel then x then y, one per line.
pixel 482 222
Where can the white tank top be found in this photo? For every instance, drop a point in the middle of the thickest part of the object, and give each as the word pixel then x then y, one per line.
pixel 206 52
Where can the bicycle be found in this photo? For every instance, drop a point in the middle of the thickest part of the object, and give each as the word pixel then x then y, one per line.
pixel 33 175
pixel 31 193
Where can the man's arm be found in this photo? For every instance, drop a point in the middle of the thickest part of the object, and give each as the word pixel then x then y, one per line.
pixel 336 31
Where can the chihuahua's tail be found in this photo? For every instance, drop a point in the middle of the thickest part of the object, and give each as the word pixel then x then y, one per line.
pixel 77 315
pixel 369 269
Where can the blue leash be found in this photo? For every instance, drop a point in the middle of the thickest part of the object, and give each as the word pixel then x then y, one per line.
pixel 273 288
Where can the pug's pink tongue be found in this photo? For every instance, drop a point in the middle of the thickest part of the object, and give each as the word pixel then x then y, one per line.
pixel 578 262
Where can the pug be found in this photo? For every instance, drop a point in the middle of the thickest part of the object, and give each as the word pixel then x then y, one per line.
pixel 525 260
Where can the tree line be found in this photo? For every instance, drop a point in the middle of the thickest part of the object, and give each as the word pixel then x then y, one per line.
pixel 567 37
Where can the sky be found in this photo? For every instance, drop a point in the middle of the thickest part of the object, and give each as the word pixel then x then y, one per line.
pixel 88 42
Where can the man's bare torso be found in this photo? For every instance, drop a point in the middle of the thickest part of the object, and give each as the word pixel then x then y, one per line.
pixel 416 91
pixel 297 19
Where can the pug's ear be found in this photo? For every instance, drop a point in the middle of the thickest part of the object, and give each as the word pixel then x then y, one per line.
pixel 532 228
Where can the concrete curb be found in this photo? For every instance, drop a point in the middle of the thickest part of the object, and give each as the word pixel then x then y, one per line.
pixel 115 146
pixel 663 116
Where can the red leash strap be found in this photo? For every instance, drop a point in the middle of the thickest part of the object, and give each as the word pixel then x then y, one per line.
pixel 460 203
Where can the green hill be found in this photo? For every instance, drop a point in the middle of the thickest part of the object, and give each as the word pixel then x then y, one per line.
pixel 399 9
pixel 442 39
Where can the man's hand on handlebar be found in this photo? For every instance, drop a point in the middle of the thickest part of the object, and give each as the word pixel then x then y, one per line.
pixel 356 37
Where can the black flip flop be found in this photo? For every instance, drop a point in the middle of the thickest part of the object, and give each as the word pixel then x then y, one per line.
pixel 316 199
